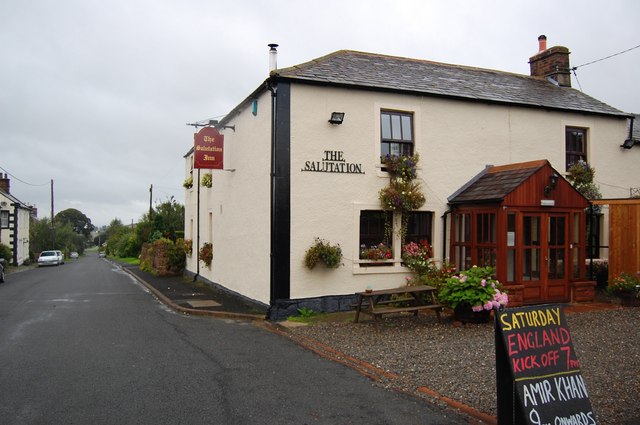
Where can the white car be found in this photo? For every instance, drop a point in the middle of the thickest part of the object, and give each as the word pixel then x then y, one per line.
pixel 74 255
pixel 50 258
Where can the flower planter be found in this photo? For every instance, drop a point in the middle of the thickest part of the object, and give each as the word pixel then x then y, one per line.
pixel 464 314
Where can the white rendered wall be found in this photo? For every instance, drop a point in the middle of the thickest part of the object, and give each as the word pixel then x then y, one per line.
pixel 238 206
pixel 455 140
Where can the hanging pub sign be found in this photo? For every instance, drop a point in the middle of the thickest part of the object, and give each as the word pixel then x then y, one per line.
pixel 208 149
pixel 538 372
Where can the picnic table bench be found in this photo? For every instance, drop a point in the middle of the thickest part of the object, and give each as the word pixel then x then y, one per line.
pixel 379 302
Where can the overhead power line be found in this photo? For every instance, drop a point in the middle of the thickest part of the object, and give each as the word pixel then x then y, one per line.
pixel 605 58
pixel 22 181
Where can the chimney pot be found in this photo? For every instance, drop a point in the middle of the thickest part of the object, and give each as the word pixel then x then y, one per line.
pixel 273 57
pixel 542 43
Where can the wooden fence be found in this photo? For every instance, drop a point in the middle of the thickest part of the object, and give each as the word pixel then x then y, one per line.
pixel 624 235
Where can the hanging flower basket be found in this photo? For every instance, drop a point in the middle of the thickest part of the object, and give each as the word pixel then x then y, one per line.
pixel 206 180
pixel 323 252
pixel 188 246
pixel 402 196
pixel 402 167
pixel 188 183
pixel 206 254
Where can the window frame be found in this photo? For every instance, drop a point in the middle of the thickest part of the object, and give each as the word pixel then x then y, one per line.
pixel 4 219
pixel 572 155
pixel 395 264
pixel 396 133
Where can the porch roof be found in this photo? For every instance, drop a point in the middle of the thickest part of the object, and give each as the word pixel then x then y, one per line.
pixel 496 182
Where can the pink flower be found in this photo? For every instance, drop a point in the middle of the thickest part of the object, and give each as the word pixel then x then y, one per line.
pixel 477 308
pixel 488 305
pixel 483 282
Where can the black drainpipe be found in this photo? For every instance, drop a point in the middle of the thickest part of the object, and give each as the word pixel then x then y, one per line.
pixel 444 233
pixel 274 113
pixel 590 240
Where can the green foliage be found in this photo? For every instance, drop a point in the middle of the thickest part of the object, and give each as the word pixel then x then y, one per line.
pixel 305 315
pixel 581 177
pixel 5 254
pixel 62 237
pixel 79 222
pixel 418 257
pixel 206 254
pixel 433 276
pixel 475 288
pixel 166 221
pixel 163 257
pixel 323 251
pixel 206 180
pixel 625 285
pixel 188 183
pixel 376 252
pixel 401 167
pixel 401 195
pixel 176 258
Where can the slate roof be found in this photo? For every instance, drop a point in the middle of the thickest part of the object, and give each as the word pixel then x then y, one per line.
pixel 495 183
pixel 13 199
pixel 390 73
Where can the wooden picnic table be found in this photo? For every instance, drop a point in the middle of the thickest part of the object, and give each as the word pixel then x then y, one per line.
pixel 379 302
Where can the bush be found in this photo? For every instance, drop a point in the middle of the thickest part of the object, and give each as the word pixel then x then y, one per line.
pixel 474 288
pixel 625 285
pixel 163 257
pixel 5 253
pixel 323 251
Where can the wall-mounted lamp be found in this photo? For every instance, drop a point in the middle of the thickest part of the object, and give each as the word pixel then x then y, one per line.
pixel 553 182
pixel 336 117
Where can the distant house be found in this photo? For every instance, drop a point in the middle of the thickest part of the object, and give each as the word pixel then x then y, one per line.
pixel 14 223
pixel 302 160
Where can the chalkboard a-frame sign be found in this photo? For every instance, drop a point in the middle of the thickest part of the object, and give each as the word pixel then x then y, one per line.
pixel 537 370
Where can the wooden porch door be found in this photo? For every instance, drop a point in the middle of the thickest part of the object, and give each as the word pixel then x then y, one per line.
pixel 544 253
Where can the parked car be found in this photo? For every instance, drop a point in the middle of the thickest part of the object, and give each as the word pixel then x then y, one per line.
pixel 1 270
pixel 102 254
pixel 74 255
pixel 50 258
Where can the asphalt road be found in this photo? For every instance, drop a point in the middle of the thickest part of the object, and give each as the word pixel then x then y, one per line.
pixel 84 343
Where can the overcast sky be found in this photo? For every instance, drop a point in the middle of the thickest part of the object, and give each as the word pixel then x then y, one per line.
pixel 95 94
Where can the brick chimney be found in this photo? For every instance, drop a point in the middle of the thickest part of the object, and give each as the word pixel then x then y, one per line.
pixel 4 183
pixel 552 63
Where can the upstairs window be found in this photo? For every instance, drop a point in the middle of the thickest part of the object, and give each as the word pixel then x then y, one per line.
pixel 575 145
pixel 4 219
pixel 396 129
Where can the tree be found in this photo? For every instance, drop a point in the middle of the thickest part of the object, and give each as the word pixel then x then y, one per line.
pixel 166 221
pixel 168 218
pixel 79 222
pixel 41 237
pixel 581 177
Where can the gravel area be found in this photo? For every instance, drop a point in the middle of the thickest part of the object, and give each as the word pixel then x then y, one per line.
pixel 459 361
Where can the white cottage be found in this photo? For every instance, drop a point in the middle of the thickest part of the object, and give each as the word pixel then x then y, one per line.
pixel 302 160
pixel 14 223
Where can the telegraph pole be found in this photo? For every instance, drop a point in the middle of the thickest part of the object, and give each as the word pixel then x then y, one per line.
pixel 53 227
pixel 150 198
